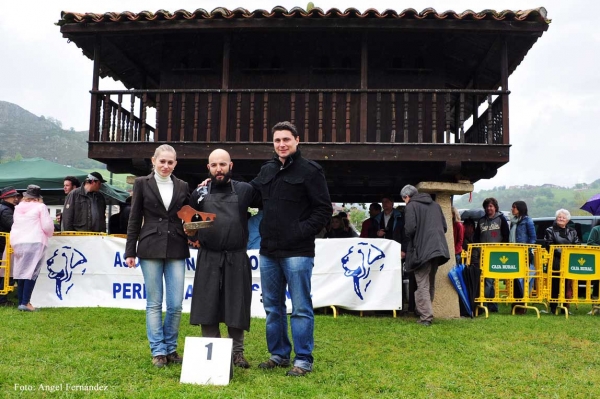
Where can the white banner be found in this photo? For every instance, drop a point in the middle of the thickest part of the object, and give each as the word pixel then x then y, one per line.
pixel 86 271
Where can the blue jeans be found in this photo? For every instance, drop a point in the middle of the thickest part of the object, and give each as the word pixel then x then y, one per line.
pixel 296 272
pixel 490 292
pixel 163 336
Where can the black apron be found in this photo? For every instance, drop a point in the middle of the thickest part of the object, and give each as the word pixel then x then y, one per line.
pixel 223 279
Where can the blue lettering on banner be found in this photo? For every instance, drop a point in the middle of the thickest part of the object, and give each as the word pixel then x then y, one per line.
pixel 254 262
pixel 129 291
pixel 190 264
pixel 120 260
pixel 189 292
pixel 255 287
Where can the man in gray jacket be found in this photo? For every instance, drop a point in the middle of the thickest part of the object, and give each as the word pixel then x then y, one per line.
pixel 85 207
pixel 425 229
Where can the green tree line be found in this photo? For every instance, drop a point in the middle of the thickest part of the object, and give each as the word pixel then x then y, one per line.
pixel 541 200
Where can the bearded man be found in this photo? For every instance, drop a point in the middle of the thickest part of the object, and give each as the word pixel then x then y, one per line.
pixel 223 279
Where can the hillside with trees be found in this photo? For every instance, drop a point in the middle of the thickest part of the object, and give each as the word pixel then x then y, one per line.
pixel 25 135
pixel 541 201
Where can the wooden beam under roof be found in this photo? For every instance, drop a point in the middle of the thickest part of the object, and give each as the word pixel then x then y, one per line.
pixel 139 27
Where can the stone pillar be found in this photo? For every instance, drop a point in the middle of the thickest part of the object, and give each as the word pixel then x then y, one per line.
pixel 445 304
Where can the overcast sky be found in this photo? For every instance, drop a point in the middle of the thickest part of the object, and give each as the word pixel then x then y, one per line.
pixel 554 105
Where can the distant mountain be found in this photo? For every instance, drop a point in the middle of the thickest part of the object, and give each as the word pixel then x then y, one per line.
pixel 28 136
pixel 541 201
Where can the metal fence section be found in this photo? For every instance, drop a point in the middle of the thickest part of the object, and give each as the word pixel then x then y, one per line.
pixel 516 272
pixel 579 265
pixel 5 269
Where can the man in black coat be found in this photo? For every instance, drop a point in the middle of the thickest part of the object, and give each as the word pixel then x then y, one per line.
pixel 9 198
pixel 296 206
pixel 425 228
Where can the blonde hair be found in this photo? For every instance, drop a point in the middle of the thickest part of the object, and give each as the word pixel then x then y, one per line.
pixel 455 215
pixel 27 199
pixel 163 148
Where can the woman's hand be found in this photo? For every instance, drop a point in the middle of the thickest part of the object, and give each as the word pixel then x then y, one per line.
pixel 204 183
pixel 130 262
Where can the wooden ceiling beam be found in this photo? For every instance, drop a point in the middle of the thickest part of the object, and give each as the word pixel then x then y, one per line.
pixel 320 152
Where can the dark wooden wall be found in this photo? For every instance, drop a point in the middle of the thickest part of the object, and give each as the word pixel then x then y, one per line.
pixel 292 60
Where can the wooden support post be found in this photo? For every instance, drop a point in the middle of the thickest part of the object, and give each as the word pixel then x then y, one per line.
pixel 224 86
pixel 94 108
pixel 504 81
pixel 364 65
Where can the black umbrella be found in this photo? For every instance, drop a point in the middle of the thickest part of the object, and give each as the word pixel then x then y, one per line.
pixel 456 277
pixel 474 214
pixel 471 276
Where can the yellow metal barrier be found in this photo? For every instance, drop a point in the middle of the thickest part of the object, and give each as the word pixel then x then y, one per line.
pixel 5 288
pixel 578 264
pixel 508 265
pixel 78 233
pixel 5 263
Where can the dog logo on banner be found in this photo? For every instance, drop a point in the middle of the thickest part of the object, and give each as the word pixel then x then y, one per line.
pixel 357 264
pixel 61 265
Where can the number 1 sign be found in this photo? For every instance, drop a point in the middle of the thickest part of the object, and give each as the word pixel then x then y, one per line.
pixel 206 361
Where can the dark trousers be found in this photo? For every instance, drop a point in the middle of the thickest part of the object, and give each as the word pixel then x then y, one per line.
pixel 236 334
pixel 412 287
pixel 556 289
pixel 24 291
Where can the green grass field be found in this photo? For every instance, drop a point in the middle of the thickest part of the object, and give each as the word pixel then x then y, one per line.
pixel 355 357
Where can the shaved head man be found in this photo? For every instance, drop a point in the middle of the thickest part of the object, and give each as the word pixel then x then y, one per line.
pixel 219 167
pixel 222 283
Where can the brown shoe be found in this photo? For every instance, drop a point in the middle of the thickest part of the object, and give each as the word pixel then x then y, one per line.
pixel 174 358
pixel 271 364
pixel 159 361
pixel 240 361
pixel 297 372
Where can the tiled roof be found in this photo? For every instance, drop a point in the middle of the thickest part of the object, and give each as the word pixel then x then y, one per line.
pixel 536 15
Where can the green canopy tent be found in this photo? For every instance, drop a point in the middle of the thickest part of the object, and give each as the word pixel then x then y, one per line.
pixel 50 177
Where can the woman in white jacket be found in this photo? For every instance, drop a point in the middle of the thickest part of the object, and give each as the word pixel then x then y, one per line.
pixel 29 238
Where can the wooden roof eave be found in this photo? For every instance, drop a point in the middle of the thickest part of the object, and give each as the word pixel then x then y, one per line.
pixel 141 27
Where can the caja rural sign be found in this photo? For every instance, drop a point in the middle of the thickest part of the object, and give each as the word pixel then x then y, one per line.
pixel 505 262
pixel 580 263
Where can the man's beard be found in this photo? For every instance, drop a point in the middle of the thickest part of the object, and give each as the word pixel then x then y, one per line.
pixel 225 180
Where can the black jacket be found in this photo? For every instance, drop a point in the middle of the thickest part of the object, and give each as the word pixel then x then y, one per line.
pixel 161 236
pixel 7 211
pixel 555 235
pixel 296 206
pixel 425 228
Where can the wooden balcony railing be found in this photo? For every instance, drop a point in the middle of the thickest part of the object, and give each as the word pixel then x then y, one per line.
pixel 326 116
